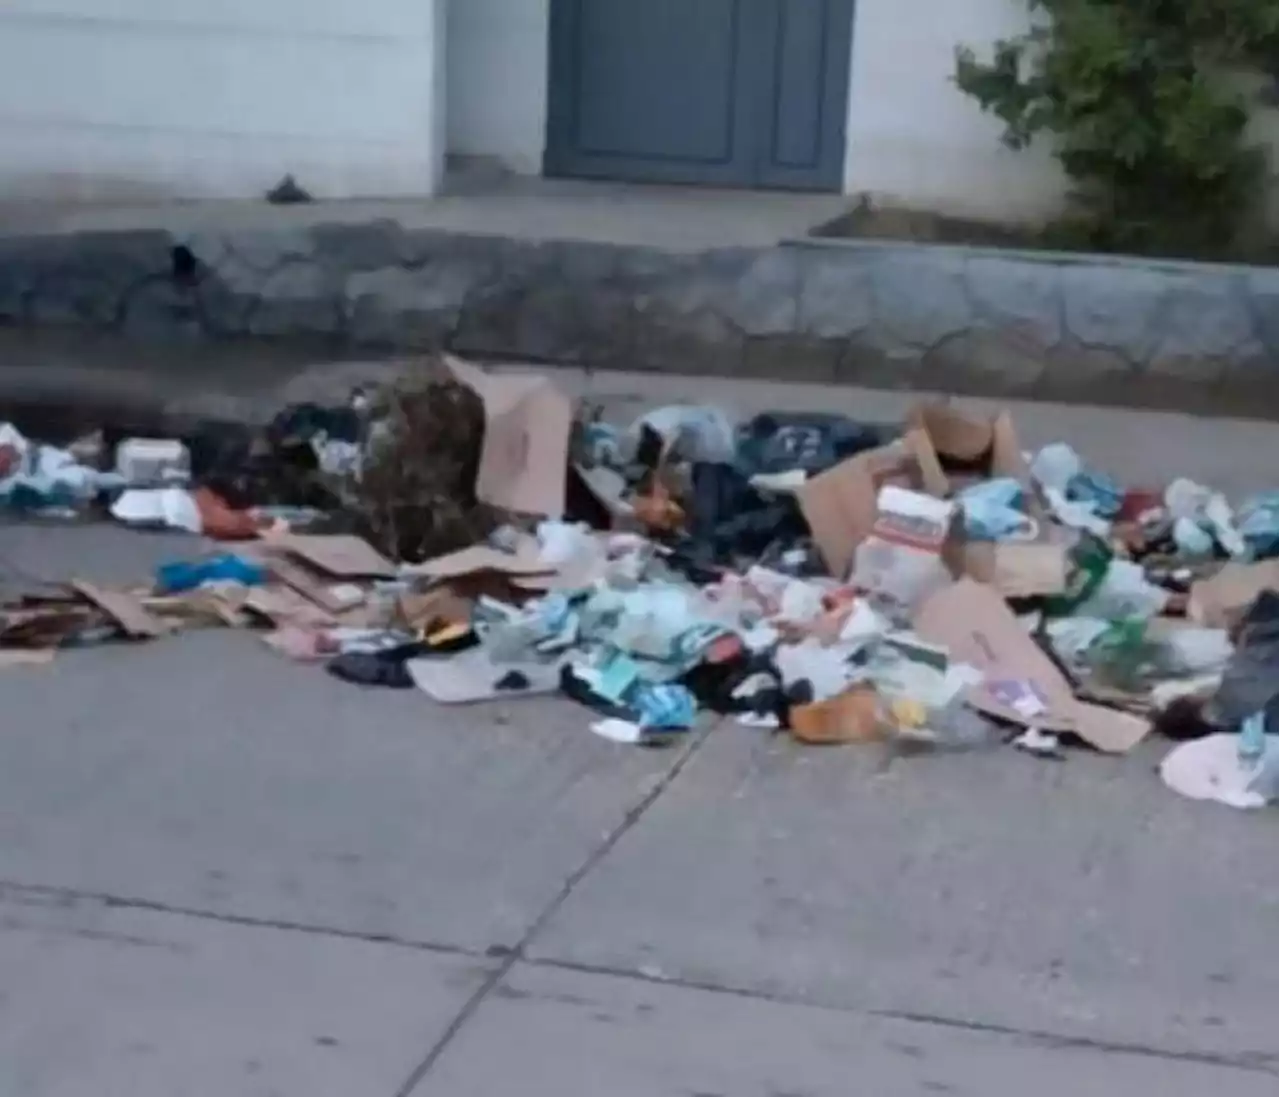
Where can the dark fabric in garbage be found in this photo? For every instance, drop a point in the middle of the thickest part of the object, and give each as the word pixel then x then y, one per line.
pixel 729 520
pixel 1182 720
pixel 813 441
pixel 1249 681
pixel 576 689
pixel 300 423
pixel 713 684
pixel 365 669
pixel 247 467
pixel 378 668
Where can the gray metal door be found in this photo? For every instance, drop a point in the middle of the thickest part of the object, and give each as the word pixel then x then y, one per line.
pixel 722 92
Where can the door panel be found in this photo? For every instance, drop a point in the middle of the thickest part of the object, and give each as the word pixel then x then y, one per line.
pixel 649 90
pixel 797 99
pixel 645 92
pixel 727 92
pixel 808 98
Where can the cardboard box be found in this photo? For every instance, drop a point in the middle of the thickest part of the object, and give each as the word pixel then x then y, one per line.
pixel 840 503
pixel 988 448
pixel 525 454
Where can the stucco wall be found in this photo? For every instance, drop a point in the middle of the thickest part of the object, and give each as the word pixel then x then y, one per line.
pixel 913 138
pixel 142 99
pixel 497 83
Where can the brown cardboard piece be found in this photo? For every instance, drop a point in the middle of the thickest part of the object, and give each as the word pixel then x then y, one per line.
pixel 127 610
pixel 840 503
pixel 992 446
pixel 480 558
pixel 284 605
pixel 204 605
pixel 341 555
pixel 323 567
pixel 1018 569
pixel 1220 601
pixel 306 581
pixel 525 453
pixel 45 625
pixel 973 622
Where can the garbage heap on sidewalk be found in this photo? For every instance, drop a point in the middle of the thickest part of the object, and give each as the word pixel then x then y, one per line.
pixel 925 585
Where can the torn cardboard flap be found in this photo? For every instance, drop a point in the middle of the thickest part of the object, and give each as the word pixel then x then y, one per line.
pixel 991 447
pixel 481 558
pixel 342 555
pixel 1018 569
pixel 973 622
pixel 951 433
pixel 126 609
pixel 1221 601
pixel 222 603
pixel 525 453
pixel 840 504
pixel 283 605
pixel 332 597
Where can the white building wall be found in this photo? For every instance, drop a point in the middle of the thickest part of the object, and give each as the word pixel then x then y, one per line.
pixel 914 139
pixel 497 82
pixel 145 99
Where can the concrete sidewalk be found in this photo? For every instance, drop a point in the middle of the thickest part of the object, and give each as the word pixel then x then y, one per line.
pixel 66 382
pixel 225 874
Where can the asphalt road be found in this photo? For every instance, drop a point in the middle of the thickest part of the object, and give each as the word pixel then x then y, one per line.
pixel 225 875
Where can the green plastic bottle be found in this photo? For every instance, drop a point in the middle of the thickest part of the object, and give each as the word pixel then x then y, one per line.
pixel 1090 558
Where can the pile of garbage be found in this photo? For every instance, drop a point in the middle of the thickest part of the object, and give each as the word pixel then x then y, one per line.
pixel 925 585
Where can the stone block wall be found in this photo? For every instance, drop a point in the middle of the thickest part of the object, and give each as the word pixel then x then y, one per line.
pixel 889 315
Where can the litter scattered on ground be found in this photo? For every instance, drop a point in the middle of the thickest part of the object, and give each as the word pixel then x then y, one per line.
pixel 925 585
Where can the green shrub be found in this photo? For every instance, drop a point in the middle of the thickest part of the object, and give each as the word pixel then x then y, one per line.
pixel 1146 103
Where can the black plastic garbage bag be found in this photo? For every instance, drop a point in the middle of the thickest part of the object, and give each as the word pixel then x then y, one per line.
pixel 273 465
pixel 729 520
pixel 1249 681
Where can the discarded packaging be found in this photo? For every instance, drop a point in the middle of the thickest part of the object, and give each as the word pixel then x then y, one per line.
pixel 901 559
pixel 462 533
pixel 1212 768
pixel 144 462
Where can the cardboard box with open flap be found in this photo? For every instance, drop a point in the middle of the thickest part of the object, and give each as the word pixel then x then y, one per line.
pixel 840 506
pixel 972 621
pixel 524 456
pixel 966 448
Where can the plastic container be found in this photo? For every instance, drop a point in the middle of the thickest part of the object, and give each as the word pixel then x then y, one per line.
pixel 152 461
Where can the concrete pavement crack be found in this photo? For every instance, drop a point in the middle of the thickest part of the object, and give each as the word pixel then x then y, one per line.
pixel 1257 1061
pixel 1263 1062
pixel 516 954
pixel 124 902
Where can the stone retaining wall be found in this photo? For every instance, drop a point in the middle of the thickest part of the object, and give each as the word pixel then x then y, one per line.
pixel 889 315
